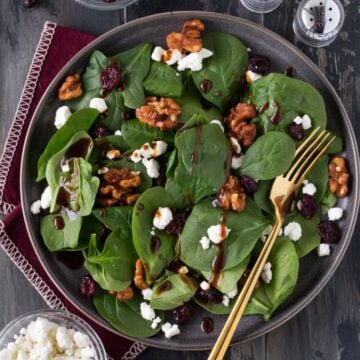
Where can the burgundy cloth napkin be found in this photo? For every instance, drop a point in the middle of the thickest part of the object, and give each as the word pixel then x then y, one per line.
pixel 56 46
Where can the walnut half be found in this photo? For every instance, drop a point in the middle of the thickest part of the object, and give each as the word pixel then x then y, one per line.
pixel 338 177
pixel 232 195
pixel 71 88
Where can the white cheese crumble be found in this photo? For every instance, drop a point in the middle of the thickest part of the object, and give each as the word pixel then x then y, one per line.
pixel 118 133
pixel 35 207
pixel 225 300
pixel 147 312
pixel 218 122
pixel 204 285
pixel 175 56
pixel 162 218
pixel 65 167
pixel 335 213
pixel 155 322
pixel 266 233
pixel 293 231
pixel 170 330
pixel 218 233
pixel 45 199
pixel 233 292
pixel 99 104
pixel 235 145
pixel 159 147
pixel 61 116
pixel 157 53
pixel 323 250
pixel 251 76
pixel 147 293
pixel 304 121
pixel 135 156
pixel 308 188
pixel 146 151
pixel 266 273
pixel 193 61
pixel 43 339
pixel 237 161
pixel 152 167
pixel 205 242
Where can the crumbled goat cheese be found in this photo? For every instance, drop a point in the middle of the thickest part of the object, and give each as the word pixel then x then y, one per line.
pixel 218 233
pixel 298 120
pixel 308 188
pixel 193 61
pixel 135 156
pixel 236 161
pixel 205 242
pixel 118 133
pixel 146 151
pixel 225 300
pixel 162 218
pixel 147 312
pixel 81 340
pixel 61 116
pixel 293 231
pixel 218 122
pixel 232 293
pixel 157 53
pixel 304 121
pixel 152 232
pixel 65 167
pixel 152 167
pixel 251 76
pixel 235 145
pixel 205 285
pixel 266 233
pixel 99 104
pixel 35 207
pixel 159 147
pixel 45 198
pixel 155 322
pixel 64 339
pixel 103 170
pixel 175 56
pixel 146 293
pixel 266 273
pixel 335 213
pixel 170 330
pixel 323 250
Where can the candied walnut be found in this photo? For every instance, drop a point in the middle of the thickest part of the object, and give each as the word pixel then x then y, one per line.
pixel 232 195
pixel 139 280
pixel 161 113
pixel 239 127
pixel 117 187
pixel 125 295
pixel 174 40
pixel 338 176
pixel 71 88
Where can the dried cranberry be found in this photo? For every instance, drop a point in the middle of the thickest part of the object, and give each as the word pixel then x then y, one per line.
pixel 259 64
pixel 329 232
pixel 248 183
pixel 88 286
pixel 28 3
pixel 210 296
pixel 181 314
pixel 177 224
pixel 110 77
pixel 99 131
pixel 307 206
pixel 296 131
pixel 161 179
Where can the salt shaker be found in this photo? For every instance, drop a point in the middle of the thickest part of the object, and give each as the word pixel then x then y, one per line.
pixel 261 6
pixel 318 22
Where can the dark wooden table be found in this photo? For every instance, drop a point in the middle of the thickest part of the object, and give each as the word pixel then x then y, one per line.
pixel 329 328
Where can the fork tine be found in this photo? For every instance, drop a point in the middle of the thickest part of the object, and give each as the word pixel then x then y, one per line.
pixel 306 141
pixel 304 155
pixel 302 177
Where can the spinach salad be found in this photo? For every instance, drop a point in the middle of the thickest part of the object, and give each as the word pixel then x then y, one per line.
pixel 160 172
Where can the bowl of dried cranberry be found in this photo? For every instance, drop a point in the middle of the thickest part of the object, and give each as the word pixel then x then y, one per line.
pixel 106 4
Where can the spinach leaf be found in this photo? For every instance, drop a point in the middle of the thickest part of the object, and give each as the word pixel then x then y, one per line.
pixel 79 121
pixel 136 133
pixel 217 309
pixel 269 156
pixel 60 239
pixel 224 69
pixel 125 316
pixel 181 201
pixel 163 81
pixel 337 146
pixel 113 118
pixel 285 268
pixel 310 238
pixel 182 289
pixel 90 225
pixel 246 228
pixel 328 201
pixel 135 64
pixel 202 162
pixel 154 260
pixel 229 277
pixel 189 109
pixel 319 176
pixel 262 196
pixel 277 93
pixel 115 217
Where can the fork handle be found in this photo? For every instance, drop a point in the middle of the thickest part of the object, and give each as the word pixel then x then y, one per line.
pixel 223 341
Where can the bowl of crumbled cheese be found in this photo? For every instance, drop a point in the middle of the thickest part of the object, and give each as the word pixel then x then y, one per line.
pixel 50 334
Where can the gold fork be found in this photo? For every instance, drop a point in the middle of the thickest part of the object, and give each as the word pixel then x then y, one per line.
pixel 282 196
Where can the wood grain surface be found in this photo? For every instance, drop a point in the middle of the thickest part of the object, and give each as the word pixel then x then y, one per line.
pixel 329 328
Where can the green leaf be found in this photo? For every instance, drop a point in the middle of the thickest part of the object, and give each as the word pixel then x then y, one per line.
pixel 90 225
pixel 189 109
pixel 319 176
pixel 181 289
pixel 125 316
pixel 79 121
pixel 154 260
pixel 60 239
pixel 217 309
pixel 269 156
pixel 163 81
pixel 115 217
pixel 328 201
pixel 262 196
pixel 113 118
pixel 337 146
pixel 136 133
pixel 224 69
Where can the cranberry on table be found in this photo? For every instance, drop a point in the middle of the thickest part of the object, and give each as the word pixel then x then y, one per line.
pixel 259 64
pixel 296 131
pixel 28 3
pixel 181 314
pixel 329 232
pixel 307 206
pixel 248 183
pixel 88 286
